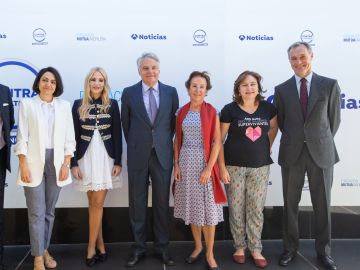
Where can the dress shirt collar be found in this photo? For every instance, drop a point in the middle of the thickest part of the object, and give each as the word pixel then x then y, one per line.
pixel 308 79
pixel 38 99
pixel 146 88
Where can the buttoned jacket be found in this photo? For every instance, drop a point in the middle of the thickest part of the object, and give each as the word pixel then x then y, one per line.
pixel 107 123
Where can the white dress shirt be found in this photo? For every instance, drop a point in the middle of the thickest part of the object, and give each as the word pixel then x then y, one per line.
pixel 48 120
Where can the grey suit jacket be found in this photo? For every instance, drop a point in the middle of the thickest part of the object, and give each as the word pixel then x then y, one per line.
pixel 7 116
pixel 140 135
pixel 318 129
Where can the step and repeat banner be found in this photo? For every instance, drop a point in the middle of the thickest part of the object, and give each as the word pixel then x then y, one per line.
pixel 222 37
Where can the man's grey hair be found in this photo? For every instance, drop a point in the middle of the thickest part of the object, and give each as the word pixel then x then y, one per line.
pixel 145 55
pixel 297 44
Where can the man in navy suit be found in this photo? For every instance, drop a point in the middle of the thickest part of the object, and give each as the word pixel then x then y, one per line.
pixel 6 124
pixel 148 117
pixel 309 117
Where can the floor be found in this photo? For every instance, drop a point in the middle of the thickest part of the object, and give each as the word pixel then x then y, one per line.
pixel 71 257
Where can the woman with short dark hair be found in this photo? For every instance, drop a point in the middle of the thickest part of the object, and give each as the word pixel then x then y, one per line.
pixel 45 143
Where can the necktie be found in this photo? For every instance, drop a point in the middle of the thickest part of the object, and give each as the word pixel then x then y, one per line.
pixel 152 105
pixel 303 96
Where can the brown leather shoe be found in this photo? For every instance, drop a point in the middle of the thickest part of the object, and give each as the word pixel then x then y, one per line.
pixel 261 263
pixel 239 258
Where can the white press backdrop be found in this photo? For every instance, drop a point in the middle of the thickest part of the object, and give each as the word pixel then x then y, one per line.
pixel 222 37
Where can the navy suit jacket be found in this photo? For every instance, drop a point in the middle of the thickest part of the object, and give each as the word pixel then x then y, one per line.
pixel 7 116
pixel 141 136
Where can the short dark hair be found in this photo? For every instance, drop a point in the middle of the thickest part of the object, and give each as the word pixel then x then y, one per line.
pixel 202 74
pixel 236 95
pixel 59 84
pixel 297 44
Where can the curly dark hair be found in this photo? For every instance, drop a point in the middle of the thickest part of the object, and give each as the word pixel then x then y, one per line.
pixel 202 74
pixel 236 95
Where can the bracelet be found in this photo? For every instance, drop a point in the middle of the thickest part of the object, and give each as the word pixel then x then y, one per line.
pixel 176 161
pixel 66 165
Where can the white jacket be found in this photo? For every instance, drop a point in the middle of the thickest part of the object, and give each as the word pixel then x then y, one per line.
pixel 31 138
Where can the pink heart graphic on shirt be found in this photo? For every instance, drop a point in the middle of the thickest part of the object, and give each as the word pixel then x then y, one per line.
pixel 253 133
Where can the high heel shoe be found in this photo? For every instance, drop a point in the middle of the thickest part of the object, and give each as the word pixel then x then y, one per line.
pixel 91 261
pixel 101 256
pixel 191 259
pixel 212 268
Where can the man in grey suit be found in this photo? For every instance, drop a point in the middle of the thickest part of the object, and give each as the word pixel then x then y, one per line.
pixel 148 117
pixel 6 124
pixel 309 116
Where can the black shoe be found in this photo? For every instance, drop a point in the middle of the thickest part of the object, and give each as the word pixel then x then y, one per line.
pixel 212 268
pixel 166 258
pixel 101 256
pixel 327 262
pixel 91 261
pixel 191 259
pixel 286 258
pixel 134 259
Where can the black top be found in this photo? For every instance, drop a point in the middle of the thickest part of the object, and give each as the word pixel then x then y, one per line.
pixel 109 127
pixel 247 143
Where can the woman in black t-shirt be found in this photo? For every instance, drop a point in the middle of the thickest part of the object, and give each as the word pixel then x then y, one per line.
pixel 249 125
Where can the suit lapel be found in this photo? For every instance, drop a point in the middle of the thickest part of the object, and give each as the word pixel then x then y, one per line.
pixel 294 97
pixel 314 93
pixel 162 97
pixel 139 99
pixel 41 125
pixel 57 120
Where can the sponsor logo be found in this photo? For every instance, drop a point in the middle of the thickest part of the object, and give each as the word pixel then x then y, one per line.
pixel 10 72
pixel 90 37
pixel 148 37
pixel 39 35
pixel 3 36
pixel 350 183
pixel 347 103
pixel 199 38
pixel 349 38
pixel 244 37
pixel 308 37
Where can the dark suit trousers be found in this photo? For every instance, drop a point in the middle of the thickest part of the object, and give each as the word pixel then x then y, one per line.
pixel 2 189
pixel 320 181
pixel 138 200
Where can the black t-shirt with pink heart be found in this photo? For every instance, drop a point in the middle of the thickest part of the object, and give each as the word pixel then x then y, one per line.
pixel 247 143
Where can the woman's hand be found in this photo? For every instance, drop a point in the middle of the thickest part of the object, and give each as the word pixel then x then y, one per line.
pixel 25 172
pixel 177 173
pixel 116 170
pixel 224 176
pixel 64 173
pixel 205 175
pixel 76 173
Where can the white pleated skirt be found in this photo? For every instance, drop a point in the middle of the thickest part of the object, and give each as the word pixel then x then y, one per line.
pixel 96 166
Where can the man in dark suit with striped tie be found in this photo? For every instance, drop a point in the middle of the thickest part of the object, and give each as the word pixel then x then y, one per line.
pixel 309 116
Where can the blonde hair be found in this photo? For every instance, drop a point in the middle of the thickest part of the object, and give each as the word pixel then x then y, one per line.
pixel 85 107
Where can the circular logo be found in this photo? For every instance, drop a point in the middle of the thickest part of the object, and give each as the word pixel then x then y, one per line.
pixel 307 36
pixel 39 35
pixel 199 36
pixel 242 37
